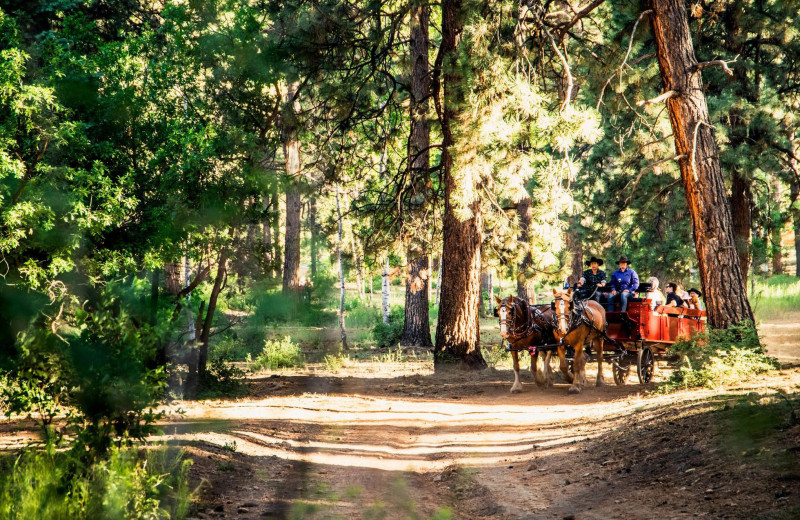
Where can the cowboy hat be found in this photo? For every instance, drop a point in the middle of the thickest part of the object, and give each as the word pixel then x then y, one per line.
pixel 623 258
pixel 693 290
pixel 594 259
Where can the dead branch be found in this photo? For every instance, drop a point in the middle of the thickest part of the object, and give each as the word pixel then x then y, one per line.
pixel 718 63
pixel 570 81
pixel 658 99
pixel 624 60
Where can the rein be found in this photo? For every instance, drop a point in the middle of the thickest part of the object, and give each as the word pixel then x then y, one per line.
pixel 577 316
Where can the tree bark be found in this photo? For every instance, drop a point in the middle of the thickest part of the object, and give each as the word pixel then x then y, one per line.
pixel 342 329
pixel 172 277
pixel 291 150
pixel 575 248
pixel 742 216
pixel 416 325
pixel 794 209
pixel 721 274
pixel 385 293
pixel 525 285
pixel 212 305
pixel 777 226
pixel 458 330
pixel 312 229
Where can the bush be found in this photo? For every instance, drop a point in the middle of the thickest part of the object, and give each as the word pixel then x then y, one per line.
pixel 719 357
pixel 277 354
pixel 125 485
pixel 389 334
pixel 222 379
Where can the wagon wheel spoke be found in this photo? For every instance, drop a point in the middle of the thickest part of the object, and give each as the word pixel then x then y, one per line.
pixel 646 365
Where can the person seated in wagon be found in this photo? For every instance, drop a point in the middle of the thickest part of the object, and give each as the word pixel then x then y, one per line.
pixel 673 300
pixel 591 279
pixel 694 300
pixel 624 283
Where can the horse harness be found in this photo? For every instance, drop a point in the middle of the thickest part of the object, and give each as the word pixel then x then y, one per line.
pixel 529 325
pixel 577 316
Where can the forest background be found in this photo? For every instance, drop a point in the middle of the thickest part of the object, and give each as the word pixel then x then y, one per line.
pixel 182 181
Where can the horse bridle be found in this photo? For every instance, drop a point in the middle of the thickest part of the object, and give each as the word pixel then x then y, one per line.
pixel 575 314
pixel 529 325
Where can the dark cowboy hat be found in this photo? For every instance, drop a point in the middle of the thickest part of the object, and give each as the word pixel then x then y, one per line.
pixel 695 291
pixel 594 259
pixel 623 258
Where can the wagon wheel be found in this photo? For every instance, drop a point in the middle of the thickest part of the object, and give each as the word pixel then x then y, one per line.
pixel 621 369
pixel 646 365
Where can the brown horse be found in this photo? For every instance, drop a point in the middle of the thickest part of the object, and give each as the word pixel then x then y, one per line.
pixel 524 326
pixel 579 323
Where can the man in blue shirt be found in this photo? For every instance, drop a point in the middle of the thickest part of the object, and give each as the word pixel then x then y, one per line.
pixel 624 283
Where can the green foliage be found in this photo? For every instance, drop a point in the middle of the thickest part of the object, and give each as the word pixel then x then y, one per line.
pixel 776 297
pixel 126 485
pixel 277 354
pixel 389 334
pixel 719 357
pixel 222 379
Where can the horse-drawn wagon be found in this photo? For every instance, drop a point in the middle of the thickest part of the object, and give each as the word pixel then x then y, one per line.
pixel 637 336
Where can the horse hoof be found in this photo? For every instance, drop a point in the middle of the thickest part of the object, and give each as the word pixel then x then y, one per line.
pixel 601 383
pixel 516 389
pixel 574 390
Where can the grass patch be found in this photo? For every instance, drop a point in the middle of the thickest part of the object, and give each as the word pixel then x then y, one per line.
pixel 719 357
pixel 129 484
pixel 776 297
pixel 277 354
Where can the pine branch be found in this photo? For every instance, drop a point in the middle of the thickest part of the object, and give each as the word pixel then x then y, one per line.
pixel 719 63
pixel 658 99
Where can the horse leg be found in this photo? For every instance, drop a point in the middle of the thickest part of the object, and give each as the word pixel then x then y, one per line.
pixel 600 379
pixel 547 369
pixel 562 357
pixel 539 375
pixel 578 370
pixel 517 386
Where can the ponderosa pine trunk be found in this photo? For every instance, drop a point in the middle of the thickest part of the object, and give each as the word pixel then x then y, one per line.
pixel 172 277
pixel 721 276
pixel 575 249
pixel 294 207
pixel 777 226
pixel 742 217
pixel 458 330
pixel 524 281
pixel 416 324
pixel 794 209
pixel 312 230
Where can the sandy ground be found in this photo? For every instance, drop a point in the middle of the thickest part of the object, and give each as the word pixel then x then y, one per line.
pixel 396 441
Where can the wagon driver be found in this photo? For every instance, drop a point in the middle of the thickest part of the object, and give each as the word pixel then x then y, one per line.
pixel 624 283
pixel 591 279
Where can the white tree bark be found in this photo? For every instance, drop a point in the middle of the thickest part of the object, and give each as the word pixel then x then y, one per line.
pixel 385 304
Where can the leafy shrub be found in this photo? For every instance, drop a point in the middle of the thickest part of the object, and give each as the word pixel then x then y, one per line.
pixel 361 315
pixel 126 485
pixel 335 362
pixel 222 379
pixel 389 334
pixel 277 354
pixel 718 357
pixel 494 354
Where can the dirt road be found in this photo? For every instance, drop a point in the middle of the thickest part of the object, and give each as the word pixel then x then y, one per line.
pixel 396 441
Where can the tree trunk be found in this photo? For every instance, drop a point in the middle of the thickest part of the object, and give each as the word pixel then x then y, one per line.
pixel 291 150
pixel 276 234
pixel 212 305
pixel 575 248
pixel 724 290
pixel 385 294
pixel 439 281
pixel 416 325
pixel 742 216
pixel 777 226
pixel 458 329
pixel 312 228
pixel 341 274
pixel 794 209
pixel 525 283
pixel 172 277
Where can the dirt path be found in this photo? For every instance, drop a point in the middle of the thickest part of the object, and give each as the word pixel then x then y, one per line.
pixel 397 441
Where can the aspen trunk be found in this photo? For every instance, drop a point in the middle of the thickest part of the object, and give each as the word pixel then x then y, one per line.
pixel 417 326
pixel 385 294
pixel 458 328
pixel 291 150
pixel 342 329
pixel 721 274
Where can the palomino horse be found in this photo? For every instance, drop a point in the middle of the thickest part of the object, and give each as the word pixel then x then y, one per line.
pixel 579 323
pixel 524 326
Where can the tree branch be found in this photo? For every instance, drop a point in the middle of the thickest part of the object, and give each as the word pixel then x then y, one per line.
pixel 719 63
pixel 658 99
